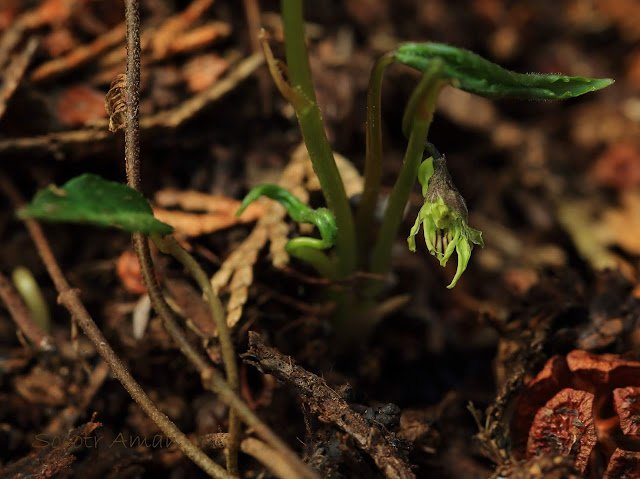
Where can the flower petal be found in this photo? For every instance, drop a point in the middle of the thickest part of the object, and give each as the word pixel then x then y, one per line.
pixel 464 253
pixel 452 246
pixel 411 240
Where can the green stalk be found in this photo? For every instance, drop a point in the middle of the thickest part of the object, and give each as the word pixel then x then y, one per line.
pixel 373 157
pixel 314 136
pixel 169 245
pixel 317 259
pixel 419 112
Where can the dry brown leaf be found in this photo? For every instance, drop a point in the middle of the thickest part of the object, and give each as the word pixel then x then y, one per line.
pixel 594 231
pixel 618 167
pixel 220 211
pixel 167 33
pixel 80 56
pixel 49 12
pixel 624 14
pixel 200 37
pixel 193 307
pixel 203 71
pixel 237 270
pixel 79 105
pixel 589 237
pixel 623 224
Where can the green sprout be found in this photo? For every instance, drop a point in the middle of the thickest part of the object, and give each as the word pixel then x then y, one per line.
pixel 322 217
pixel 443 217
pixel 305 248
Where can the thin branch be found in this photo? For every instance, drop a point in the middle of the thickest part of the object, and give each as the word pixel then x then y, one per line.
pixel 330 407
pixel 252 14
pixel 13 73
pixel 215 382
pixel 79 56
pixel 168 120
pixel 266 455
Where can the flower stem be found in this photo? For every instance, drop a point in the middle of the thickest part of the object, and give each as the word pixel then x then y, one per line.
pixel 315 139
pixel 316 258
pixel 373 162
pixel 420 110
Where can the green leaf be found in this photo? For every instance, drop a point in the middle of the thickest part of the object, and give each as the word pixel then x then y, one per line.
pixel 91 199
pixel 472 73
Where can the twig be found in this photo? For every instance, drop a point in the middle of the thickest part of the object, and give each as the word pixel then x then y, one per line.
pixel 9 40
pixel 70 299
pixel 21 316
pixel 329 406
pixel 79 56
pixel 268 457
pixel 171 29
pixel 14 72
pixel 179 115
pixel 255 448
pixel 215 382
pixel 50 461
pixel 166 120
pixel 252 13
pixel 212 380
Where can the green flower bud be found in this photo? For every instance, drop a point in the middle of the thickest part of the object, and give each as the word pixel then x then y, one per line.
pixel 443 217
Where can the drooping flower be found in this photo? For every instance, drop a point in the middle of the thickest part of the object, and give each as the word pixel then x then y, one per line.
pixel 444 217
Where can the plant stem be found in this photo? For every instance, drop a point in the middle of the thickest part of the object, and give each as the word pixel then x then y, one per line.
pixel 169 245
pixel 315 258
pixel 132 114
pixel 314 135
pixel 69 298
pixel 420 109
pixel 140 241
pixel 373 161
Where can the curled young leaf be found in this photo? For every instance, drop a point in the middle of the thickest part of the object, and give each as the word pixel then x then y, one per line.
pixel 91 199
pixel 321 217
pixel 475 74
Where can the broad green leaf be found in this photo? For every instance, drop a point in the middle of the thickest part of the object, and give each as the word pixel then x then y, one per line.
pixel 472 73
pixel 91 199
